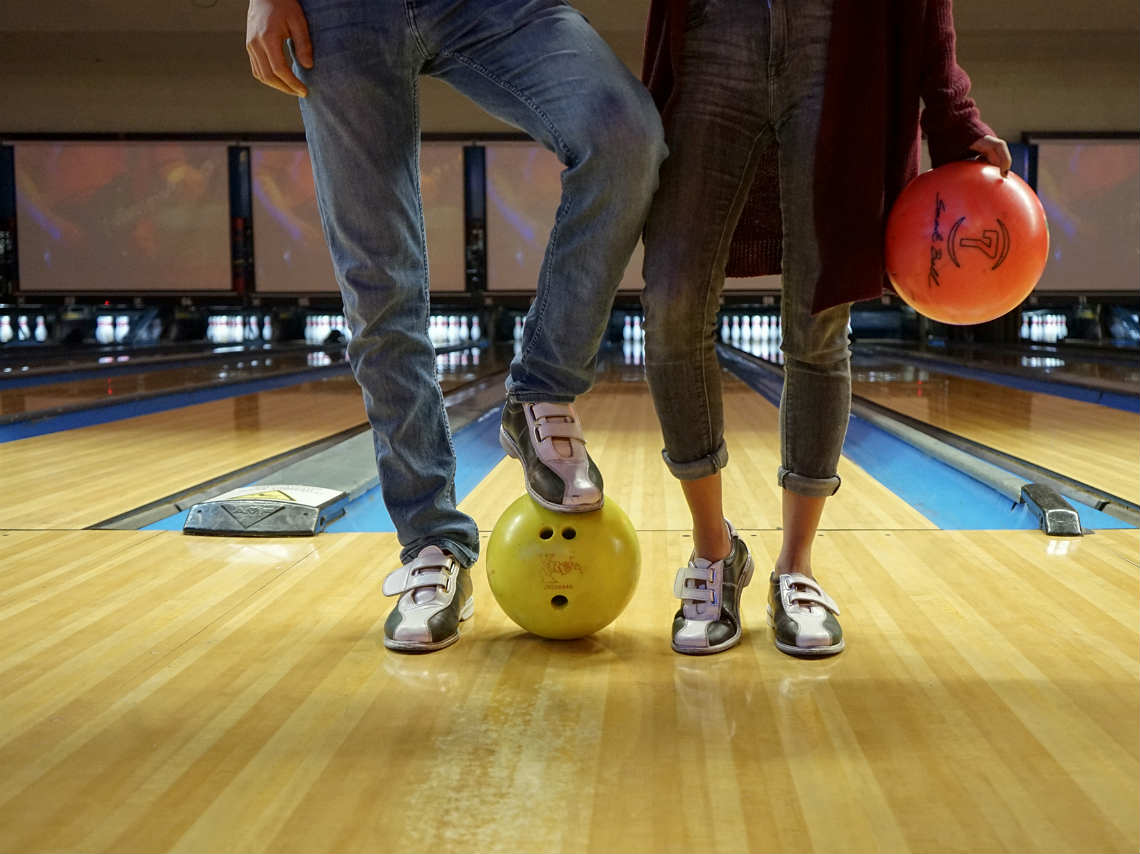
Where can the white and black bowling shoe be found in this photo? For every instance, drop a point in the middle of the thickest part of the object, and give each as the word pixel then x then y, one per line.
pixel 803 617
pixel 435 597
pixel 709 618
pixel 547 439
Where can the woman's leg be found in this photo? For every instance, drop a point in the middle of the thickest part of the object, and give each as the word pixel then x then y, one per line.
pixel 817 377
pixel 715 134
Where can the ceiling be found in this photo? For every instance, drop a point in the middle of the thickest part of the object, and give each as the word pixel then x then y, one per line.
pixel 606 15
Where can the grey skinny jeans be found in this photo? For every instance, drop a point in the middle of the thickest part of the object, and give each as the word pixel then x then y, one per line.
pixel 753 75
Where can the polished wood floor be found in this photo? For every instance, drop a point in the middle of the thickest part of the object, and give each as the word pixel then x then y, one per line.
pixel 168 693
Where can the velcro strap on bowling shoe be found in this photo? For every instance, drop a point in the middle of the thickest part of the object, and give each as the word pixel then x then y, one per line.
pixel 555 421
pixel 794 597
pixel 556 435
pixel 416 574
pixel 709 593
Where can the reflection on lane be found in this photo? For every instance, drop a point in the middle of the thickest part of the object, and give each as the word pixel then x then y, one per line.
pixel 1114 366
pixel 452 369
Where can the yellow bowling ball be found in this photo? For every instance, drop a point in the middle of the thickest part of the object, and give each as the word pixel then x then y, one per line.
pixel 563 575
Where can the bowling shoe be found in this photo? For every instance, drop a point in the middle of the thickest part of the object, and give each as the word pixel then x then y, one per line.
pixel 709 618
pixel 802 616
pixel 547 439
pixel 435 597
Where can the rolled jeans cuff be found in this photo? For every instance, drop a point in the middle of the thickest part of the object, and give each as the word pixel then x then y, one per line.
pixel 462 553
pixel 539 397
pixel 812 487
pixel 704 466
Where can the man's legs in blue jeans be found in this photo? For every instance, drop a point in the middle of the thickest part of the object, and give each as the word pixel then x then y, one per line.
pixel 537 64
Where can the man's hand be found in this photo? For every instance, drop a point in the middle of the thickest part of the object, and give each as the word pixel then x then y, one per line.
pixel 267 26
pixel 995 151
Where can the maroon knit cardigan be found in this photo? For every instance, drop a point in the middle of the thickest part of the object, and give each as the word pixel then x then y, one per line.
pixel 884 56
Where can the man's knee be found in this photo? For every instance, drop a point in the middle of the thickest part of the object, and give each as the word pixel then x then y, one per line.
pixel 622 127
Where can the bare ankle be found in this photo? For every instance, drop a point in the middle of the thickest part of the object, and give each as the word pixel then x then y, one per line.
pixel 713 548
pixel 789 567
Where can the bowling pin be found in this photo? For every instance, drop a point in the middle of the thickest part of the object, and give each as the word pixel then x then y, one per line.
pixel 23 333
pixel 267 329
pixel 464 329
pixel 627 330
pixel 6 333
pixel 756 327
pixel 1023 334
pixel 746 328
pixel 453 330
pixel 476 332
pixel 41 329
pixel 638 334
pixel 725 330
pixel 518 328
pixel 735 328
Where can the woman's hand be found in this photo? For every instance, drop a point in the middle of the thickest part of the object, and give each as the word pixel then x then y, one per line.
pixel 268 24
pixel 995 151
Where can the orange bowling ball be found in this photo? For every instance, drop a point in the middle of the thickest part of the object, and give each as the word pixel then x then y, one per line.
pixel 965 245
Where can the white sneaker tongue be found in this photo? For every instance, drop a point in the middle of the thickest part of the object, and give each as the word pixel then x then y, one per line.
pixel 423 595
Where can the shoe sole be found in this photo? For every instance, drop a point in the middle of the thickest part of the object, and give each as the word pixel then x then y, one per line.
pixel 433 646
pixel 804 651
pixel 512 450
pixel 745 580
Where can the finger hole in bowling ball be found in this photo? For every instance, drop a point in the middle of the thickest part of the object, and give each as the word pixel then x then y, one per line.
pixel 559 601
pixel 569 533
pixel 546 533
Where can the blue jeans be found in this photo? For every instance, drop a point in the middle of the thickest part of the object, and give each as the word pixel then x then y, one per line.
pixel 752 83
pixel 538 65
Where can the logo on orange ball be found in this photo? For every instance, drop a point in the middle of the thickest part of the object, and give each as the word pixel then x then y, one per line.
pixel 994 243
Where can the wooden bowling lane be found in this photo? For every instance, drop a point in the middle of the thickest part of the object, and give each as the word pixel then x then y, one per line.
pixel 625 439
pixel 1114 369
pixel 170 693
pixel 1094 444
pixel 76 478
pixel 113 387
